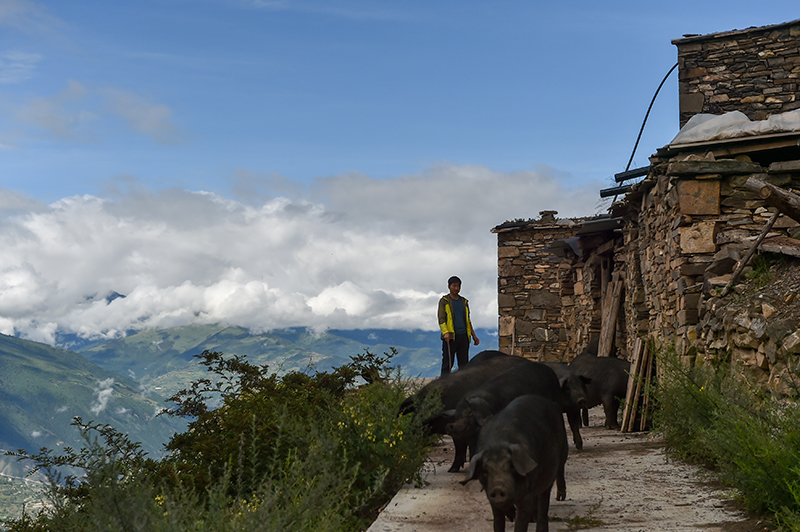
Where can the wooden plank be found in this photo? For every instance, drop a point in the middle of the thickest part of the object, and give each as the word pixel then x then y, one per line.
pixel 626 411
pixel 637 391
pixel 647 387
pixel 638 348
pixel 608 321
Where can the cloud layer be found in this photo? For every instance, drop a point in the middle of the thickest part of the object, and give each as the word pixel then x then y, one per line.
pixel 349 251
pixel 84 114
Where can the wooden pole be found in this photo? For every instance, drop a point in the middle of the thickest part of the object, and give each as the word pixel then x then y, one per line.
pixel 742 263
pixel 629 411
pixel 648 379
pixel 610 311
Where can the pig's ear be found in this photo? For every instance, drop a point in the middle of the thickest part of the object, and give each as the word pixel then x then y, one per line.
pixel 480 410
pixel 522 462
pixel 474 468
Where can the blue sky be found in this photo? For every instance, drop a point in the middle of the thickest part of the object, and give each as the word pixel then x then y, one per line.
pixel 340 158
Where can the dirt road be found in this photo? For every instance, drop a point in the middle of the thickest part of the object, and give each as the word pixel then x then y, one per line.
pixel 618 482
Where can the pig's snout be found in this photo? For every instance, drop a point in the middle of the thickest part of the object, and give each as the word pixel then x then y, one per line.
pixel 498 495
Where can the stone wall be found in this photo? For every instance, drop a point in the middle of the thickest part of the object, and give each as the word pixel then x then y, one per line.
pixel 531 291
pixel 694 220
pixel 764 346
pixel 550 301
pixel 754 71
pixel 686 226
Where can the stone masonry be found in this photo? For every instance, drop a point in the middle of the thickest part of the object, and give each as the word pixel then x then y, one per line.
pixel 754 71
pixel 683 229
pixel 549 302
pixel 529 288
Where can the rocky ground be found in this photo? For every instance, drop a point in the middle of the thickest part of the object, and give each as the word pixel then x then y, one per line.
pixel 618 482
pixel 779 287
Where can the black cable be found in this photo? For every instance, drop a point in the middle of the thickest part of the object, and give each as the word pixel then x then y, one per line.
pixel 647 115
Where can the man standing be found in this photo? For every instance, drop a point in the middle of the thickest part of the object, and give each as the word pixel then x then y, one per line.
pixel 456 327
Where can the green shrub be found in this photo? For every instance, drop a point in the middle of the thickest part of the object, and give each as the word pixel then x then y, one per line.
pixel 303 451
pixel 709 415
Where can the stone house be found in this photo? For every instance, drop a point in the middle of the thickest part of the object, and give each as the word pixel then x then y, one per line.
pixel 654 266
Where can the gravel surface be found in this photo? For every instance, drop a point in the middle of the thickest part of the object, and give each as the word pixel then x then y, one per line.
pixel 620 482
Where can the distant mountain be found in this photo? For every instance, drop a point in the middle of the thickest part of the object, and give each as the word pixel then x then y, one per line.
pixel 163 359
pixel 125 382
pixel 43 388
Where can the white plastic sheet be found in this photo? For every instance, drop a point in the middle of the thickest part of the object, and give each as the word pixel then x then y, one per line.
pixel 703 127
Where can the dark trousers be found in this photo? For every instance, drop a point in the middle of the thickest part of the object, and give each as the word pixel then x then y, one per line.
pixel 457 349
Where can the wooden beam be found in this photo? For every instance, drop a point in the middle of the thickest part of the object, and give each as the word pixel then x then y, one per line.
pixel 785 201
pixel 630 398
pixel 605 248
pixel 631 174
pixel 608 320
pixel 614 191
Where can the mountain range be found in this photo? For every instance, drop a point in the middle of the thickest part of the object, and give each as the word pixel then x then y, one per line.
pixel 43 388
pixel 125 382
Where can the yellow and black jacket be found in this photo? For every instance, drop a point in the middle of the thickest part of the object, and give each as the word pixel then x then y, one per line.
pixel 445 314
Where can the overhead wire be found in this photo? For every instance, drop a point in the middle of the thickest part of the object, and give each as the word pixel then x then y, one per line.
pixel 636 145
pixel 646 116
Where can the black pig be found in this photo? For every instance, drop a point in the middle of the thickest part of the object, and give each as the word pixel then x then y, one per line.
pixel 521 453
pixel 609 384
pixel 456 385
pixel 475 408
pixel 574 388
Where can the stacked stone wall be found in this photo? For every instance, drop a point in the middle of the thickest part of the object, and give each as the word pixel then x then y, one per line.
pixel 696 221
pixel 533 289
pixel 754 71
pixel 581 311
pixel 549 304
pixel 687 224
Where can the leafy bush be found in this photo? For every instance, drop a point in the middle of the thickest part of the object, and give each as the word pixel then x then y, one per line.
pixel 707 414
pixel 318 451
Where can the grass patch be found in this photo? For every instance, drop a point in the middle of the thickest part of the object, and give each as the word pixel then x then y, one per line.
pixel 580 522
pixel 751 439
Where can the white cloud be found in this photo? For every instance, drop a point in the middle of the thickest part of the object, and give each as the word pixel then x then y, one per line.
pixel 103 393
pixel 16 67
pixel 27 16
pixel 81 114
pixel 352 252
pixel 61 116
pixel 144 117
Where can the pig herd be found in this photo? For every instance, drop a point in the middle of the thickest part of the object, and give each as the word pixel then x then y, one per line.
pixel 509 413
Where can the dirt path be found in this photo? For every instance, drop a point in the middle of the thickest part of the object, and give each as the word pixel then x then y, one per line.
pixel 618 482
